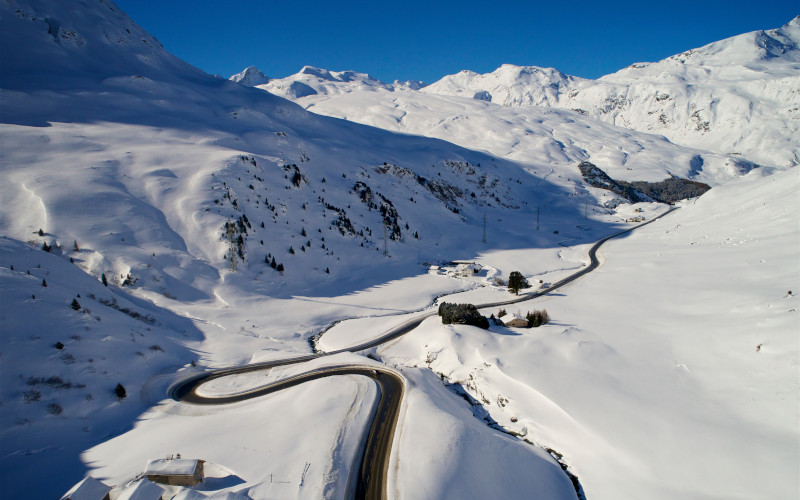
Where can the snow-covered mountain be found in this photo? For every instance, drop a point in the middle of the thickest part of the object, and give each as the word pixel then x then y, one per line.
pixel 312 81
pixel 316 81
pixel 548 141
pixel 229 225
pixel 738 96
pixel 251 76
pixel 510 85
pixel 154 218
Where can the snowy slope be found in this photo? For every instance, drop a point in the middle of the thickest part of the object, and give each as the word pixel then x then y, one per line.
pixel 549 142
pixel 736 96
pixel 141 169
pixel 670 372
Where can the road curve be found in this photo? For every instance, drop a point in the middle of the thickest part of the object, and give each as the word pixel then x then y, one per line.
pixel 372 480
pixel 409 325
pixel 373 470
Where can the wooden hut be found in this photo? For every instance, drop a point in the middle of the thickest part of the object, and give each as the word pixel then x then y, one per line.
pixel 514 320
pixel 178 471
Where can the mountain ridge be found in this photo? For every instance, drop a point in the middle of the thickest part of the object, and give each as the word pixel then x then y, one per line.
pixel 736 96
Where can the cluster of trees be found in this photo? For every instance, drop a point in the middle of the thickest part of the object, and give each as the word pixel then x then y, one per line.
pixel 666 191
pixel 669 190
pixel 537 318
pixel 272 263
pixel 462 314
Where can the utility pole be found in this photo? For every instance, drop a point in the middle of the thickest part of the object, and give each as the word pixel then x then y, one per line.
pixel 484 228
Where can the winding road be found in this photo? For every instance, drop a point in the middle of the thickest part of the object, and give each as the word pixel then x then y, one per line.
pixel 371 481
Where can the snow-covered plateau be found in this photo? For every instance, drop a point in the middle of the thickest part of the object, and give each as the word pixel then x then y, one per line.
pixel 158 223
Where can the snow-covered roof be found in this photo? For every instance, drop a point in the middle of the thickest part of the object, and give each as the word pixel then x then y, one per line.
pixel 509 317
pixel 174 467
pixel 189 494
pixel 88 489
pixel 143 490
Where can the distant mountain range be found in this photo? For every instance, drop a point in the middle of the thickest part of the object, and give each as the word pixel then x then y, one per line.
pixel 739 96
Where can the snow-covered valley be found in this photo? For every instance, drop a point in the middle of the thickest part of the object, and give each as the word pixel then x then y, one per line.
pixel 157 222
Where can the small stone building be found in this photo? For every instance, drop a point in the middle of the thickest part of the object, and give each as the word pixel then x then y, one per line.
pixel 178 471
pixel 514 320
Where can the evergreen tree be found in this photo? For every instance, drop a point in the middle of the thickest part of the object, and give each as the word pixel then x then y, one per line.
pixel 120 391
pixel 41 233
pixel 516 282
pixel 75 305
pixel 273 264
pixel 44 283
pixel 280 267
pixel 103 279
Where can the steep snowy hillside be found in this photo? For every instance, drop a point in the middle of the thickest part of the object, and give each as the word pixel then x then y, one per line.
pixel 737 96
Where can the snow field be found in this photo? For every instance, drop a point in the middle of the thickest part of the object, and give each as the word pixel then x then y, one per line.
pixel 267 458
pixel 669 372
pixel 685 384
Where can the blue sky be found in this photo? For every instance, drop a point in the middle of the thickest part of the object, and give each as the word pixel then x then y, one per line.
pixel 425 41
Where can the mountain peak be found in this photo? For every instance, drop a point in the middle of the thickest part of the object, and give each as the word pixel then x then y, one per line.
pixel 509 85
pixel 250 77
pixel 312 81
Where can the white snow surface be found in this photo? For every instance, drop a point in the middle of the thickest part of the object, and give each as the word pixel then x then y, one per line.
pixel 550 143
pixel 737 96
pixel 669 372
pixel 136 169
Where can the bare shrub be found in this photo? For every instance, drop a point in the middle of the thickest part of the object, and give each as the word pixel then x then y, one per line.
pixel 537 318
